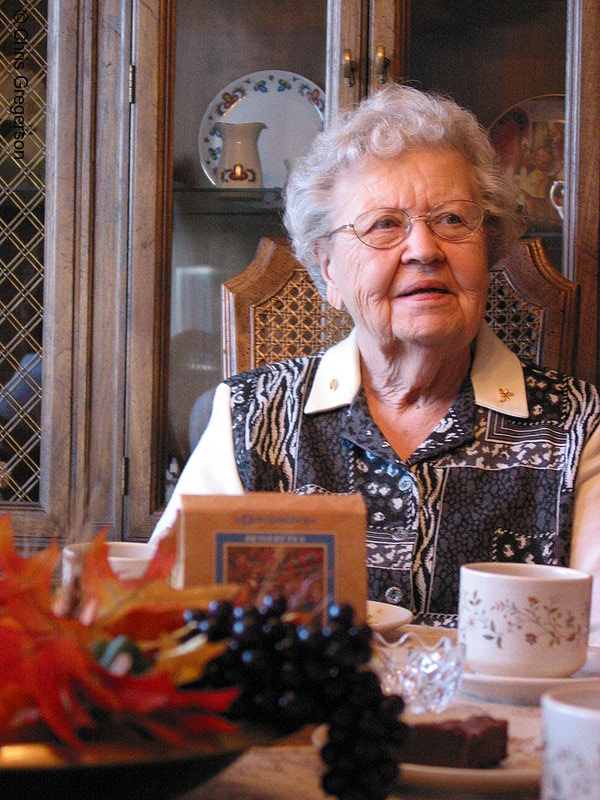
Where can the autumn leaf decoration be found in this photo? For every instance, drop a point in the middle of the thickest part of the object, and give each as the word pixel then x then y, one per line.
pixel 48 672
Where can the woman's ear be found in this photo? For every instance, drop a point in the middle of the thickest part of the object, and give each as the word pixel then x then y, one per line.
pixel 323 257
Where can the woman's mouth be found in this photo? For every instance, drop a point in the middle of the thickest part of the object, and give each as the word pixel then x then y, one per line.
pixel 428 288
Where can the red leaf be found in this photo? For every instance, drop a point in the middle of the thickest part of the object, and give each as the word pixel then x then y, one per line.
pixel 46 661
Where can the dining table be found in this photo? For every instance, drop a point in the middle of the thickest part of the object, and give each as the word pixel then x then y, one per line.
pixel 292 770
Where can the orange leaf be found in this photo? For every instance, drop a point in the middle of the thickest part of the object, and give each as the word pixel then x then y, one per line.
pixel 31 575
pixel 105 596
pixel 46 665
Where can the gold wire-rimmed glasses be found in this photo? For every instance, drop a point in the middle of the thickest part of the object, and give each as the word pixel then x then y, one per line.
pixel 382 228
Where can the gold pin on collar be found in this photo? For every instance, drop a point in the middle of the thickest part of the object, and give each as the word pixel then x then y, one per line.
pixel 505 394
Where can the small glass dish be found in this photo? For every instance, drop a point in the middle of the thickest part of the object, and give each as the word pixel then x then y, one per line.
pixel 425 676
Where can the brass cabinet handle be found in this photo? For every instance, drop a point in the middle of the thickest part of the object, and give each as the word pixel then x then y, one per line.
pixel 349 68
pixel 381 64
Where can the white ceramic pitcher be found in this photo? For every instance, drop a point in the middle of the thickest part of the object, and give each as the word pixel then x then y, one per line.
pixel 557 191
pixel 239 161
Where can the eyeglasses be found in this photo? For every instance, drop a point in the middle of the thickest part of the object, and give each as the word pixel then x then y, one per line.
pixel 383 228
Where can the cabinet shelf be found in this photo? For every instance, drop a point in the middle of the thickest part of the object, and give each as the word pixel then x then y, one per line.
pixel 214 201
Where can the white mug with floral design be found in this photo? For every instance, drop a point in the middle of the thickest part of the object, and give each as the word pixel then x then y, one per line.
pixel 524 620
pixel 571 735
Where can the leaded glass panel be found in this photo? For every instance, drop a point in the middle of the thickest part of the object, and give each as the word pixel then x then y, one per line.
pixel 23 72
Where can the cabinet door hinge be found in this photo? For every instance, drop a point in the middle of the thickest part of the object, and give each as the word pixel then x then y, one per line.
pixel 125 476
pixel 131 84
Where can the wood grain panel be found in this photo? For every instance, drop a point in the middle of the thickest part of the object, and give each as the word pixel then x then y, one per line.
pixel 582 165
pixel 149 281
pixel 390 28
pixel 346 30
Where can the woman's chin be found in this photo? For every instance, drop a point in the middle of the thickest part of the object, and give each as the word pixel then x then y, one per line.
pixel 430 335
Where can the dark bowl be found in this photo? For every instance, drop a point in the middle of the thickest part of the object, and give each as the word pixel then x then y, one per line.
pixel 115 771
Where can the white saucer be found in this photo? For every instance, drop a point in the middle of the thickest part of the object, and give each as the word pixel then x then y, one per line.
pixel 520 691
pixel 385 618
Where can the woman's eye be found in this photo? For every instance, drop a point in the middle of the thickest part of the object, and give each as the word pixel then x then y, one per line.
pixel 447 218
pixel 386 224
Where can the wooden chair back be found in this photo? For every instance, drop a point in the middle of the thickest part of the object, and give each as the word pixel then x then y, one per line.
pixel 272 310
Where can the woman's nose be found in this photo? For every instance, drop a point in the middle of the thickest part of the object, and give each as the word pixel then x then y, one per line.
pixel 421 244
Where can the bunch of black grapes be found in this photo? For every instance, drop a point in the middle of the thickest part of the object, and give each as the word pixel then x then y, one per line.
pixel 293 675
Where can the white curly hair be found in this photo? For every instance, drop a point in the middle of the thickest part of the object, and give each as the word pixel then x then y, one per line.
pixel 395 120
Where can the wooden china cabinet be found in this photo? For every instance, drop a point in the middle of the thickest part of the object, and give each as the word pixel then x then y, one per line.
pixel 115 123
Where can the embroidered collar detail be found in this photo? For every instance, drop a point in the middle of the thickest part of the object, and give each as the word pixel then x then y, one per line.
pixel 496 375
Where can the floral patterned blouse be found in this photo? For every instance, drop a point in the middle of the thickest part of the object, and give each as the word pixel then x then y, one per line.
pixel 512 472
pixel 484 486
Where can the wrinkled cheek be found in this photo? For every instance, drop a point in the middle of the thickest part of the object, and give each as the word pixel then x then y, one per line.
pixel 373 313
pixel 364 287
pixel 351 286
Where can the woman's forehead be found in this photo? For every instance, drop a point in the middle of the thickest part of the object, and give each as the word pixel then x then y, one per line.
pixel 415 177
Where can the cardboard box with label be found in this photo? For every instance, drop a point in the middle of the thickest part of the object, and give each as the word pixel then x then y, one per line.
pixel 311 548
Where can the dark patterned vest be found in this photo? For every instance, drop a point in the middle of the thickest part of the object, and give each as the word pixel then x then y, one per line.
pixel 483 486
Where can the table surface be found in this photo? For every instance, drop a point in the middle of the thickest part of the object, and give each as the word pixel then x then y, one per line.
pixel 293 771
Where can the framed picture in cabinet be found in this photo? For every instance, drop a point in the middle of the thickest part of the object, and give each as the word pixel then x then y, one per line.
pixel 529 139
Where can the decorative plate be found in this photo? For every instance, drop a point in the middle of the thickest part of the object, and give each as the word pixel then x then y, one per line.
pixel 292 108
pixel 529 140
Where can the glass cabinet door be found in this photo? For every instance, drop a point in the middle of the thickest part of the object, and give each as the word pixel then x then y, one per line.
pixel 187 235
pixel 504 61
pixel 507 63
pixel 513 64
pixel 251 61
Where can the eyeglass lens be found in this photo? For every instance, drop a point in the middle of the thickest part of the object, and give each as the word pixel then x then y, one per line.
pixel 452 221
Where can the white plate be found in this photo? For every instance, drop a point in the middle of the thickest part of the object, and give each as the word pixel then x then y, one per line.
pixel 292 108
pixel 505 777
pixel 383 617
pixel 523 691
pixel 521 769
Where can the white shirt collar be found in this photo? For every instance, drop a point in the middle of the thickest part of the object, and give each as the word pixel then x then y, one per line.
pixel 496 375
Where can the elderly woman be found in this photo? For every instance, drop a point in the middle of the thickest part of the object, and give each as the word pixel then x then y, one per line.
pixel 461 452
